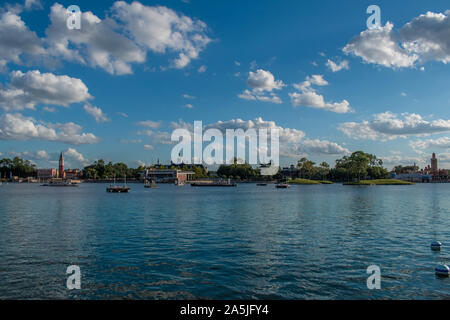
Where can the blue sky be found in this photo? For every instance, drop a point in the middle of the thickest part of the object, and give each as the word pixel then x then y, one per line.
pixel 180 61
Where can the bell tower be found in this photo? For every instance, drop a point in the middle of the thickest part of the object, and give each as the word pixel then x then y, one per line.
pixel 61 166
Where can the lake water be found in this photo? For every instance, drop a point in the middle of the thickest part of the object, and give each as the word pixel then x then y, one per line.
pixel 249 242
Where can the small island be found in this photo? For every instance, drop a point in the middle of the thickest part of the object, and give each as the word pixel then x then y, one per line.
pixel 308 181
pixel 378 182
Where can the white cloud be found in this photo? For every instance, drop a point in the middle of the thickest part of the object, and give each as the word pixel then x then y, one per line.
pixel 97 113
pixel 14 126
pixel 441 143
pixel 388 126
pixel 31 4
pixel 335 67
pixel 17 40
pixel 316 79
pixel 148 147
pixel 189 106
pixel 74 156
pixel 293 142
pixel 96 44
pixel 256 96
pixel 186 96
pixel 161 29
pixel 125 36
pixel 425 38
pixel 263 84
pixel 380 46
pixel 262 80
pixel 202 69
pixel 26 90
pixel 149 124
pixel 308 97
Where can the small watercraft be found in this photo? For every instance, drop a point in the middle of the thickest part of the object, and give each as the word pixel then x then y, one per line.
pixel 261 184
pixel 118 189
pixel 283 186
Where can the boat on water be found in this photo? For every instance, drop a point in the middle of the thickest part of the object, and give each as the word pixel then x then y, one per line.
pixel 220 183
pixel 150 184
pixel 118 189
pixel 282 186
pixel 60 184
pixel 179 183
pixel 261 184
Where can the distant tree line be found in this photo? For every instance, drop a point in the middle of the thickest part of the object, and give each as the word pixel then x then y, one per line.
pixel 359 165
pixel 18 167
pixel 100 170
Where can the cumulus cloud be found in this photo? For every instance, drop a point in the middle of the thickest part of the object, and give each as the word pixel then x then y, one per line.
pixel 161 29
pixel 308 97
pixel 148 147
pixel 97 113
pixel 441 143
pixel 293 142
pixel 262 80
pixel 14 126
pixel 335 67
pixel 189 106
pixel 263 84
pixel 96 44
pixel 74 156
pixel 26 90
pixel 125 36
pixel 388 126
pixel 425 38
pixel 380 46
pixel 17 40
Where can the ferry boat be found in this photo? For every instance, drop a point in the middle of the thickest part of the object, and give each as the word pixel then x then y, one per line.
pixel 282 186
pixel 60 184
pixel 220 183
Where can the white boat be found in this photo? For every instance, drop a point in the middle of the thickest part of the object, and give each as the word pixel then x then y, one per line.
pixel 59 184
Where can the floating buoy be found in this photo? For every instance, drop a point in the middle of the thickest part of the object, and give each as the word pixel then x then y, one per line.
pixel 442 270
pixel 436 246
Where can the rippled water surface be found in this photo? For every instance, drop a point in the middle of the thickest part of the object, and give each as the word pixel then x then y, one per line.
pixel 307 242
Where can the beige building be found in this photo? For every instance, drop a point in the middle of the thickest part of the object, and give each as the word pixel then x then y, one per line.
pixel 46 174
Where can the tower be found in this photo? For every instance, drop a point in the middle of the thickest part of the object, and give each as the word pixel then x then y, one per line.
pixel 61 166
pixel 434 165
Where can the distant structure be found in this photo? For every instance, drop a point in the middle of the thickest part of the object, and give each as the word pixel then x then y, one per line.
pixel 431 173
pixel 434 164
pixel 61 167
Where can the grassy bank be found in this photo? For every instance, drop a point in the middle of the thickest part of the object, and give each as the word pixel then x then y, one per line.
pixel 378 182
pixel 307 181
